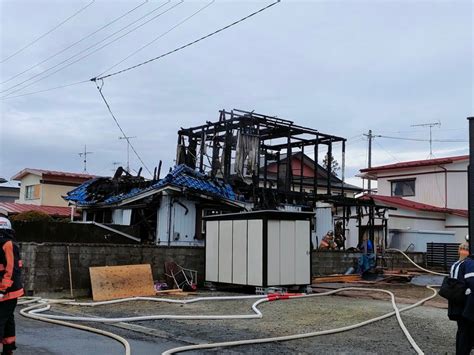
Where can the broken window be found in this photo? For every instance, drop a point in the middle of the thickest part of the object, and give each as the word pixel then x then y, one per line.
pixel 403 188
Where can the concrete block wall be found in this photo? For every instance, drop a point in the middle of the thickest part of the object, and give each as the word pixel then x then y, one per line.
pixel 46 265
pixel 337 262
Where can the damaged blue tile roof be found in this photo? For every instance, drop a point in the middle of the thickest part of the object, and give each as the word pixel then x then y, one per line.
pixel 181 176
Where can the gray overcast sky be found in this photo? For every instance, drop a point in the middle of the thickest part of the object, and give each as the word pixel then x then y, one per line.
pixel 342 67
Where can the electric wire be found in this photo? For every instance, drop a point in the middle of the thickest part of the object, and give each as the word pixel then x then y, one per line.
pixel 187 44
pixel 47 33
pixel 425 140
pixel 45 90
pixel 386 151
pixel 158 37
pixel 121 129
pixel 75 43
pixel 92 52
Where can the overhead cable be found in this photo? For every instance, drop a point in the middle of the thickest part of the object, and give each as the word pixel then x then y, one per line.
pixel 426 140
pixel 127 138
pixel 45 90
pixel 75 43
pixel 187 44
pixel 158 37
pixel 94 51
pixel 47 33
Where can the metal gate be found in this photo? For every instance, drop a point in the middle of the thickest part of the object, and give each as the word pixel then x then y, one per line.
pixel 442 254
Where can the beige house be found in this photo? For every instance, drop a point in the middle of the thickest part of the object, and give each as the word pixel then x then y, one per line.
pixel 46 187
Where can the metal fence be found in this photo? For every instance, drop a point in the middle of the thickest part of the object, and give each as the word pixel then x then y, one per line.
pixel 442 254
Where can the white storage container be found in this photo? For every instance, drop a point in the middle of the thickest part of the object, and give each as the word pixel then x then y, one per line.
pixel 262 248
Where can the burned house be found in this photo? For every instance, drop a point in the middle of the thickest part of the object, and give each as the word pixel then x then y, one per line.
pixel 242 161
pixel 164 211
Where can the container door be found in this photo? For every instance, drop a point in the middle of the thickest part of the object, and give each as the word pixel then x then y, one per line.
pixel 302 253
pixel 255 253
pixel 287 252
pixel 273 253
pixel 239 252
pixel 212 251
pixel 225 251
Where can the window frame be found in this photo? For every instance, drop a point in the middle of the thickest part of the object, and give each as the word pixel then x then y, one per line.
pixel 392 182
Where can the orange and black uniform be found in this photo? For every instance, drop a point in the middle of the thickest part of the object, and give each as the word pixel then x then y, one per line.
pixel 10 286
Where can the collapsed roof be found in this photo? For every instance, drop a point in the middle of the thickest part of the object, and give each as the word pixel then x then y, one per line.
pixel 111 191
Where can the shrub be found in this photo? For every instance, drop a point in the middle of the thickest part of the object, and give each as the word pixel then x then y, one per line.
pixel 31 216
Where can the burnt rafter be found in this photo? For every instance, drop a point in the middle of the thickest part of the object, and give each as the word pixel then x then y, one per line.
pixel 242 144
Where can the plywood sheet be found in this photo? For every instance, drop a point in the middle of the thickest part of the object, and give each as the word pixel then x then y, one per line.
pixel 225 251
pixel 112 282
pixel 273 255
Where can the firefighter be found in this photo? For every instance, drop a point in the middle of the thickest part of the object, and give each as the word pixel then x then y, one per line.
pixel 463 312
pixel 327 243
pixel 10 284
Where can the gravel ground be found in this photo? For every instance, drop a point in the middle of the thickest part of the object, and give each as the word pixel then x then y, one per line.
pixel 428 325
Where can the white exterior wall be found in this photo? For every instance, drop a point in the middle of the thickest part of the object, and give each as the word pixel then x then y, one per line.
pixel 175 224
pixel 431 188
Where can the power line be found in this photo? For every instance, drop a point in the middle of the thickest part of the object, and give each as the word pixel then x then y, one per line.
pixel 188 44
pixel 386 151
pixel 77 42
pixel 121 129
pixel 45 90
pixel 157 38
pixel 94 51
pixel 426 140
pixel 47 33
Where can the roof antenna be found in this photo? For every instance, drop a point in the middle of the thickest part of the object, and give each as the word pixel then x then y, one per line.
pixel 430 125
pixel 84 154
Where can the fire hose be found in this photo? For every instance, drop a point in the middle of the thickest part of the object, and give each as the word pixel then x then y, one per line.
pixel 35 311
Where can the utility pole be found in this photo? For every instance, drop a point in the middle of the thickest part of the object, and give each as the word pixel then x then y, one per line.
pixel 84 154
pixel 128 150
pixel 470 185
pixel 430 125
pixel 370 136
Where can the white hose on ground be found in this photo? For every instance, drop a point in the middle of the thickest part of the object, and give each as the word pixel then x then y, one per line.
pixel 415 264
pixel 25 312
pixel 396 312
pixel 34 311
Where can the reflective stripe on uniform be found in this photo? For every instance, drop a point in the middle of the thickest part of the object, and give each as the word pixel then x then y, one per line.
pixel 455 269
pixel 471 274
pixel 12 295
pixel 9 340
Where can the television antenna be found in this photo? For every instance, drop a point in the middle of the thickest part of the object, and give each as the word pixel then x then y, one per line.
pixel 127 138
pixel 430 125
pixel 84 154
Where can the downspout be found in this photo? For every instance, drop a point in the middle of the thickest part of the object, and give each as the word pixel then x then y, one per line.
pixel 170 210
pixel 470 185
pixel 445 185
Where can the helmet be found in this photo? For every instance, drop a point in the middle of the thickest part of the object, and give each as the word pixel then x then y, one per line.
pixel 5 223
pixel 467 237
pixel 330 232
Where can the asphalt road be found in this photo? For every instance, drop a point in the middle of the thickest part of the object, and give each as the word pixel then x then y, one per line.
pixel 38 338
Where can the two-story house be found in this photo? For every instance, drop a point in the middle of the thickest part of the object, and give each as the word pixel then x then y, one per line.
pixel 430 197
pixel 42 190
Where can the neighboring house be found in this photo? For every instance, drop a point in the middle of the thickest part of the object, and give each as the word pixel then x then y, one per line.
pixel 9 191
pixel 430 197
pixel 302 161
pixel 11 208
pixel 46 187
